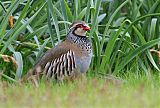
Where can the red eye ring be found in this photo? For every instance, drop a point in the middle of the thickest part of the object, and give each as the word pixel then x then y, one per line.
pixel 80 26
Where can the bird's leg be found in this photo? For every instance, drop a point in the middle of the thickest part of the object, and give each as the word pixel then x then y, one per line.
pixel 34 81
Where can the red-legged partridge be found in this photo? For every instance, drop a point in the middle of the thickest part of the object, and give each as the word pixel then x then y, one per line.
pixel 70 57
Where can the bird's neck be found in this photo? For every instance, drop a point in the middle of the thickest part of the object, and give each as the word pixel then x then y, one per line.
pixel 79 40
pixel 82 42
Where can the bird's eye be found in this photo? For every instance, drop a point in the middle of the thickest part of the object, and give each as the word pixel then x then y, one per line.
pixel 80 26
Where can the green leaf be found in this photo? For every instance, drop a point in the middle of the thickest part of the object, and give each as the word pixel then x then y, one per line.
pixel 106 31
pixel 19 60
pixel 9 78
pixel 66 11
pixel 19 30
pixel 39 30
pixel 141 38
pixel 101 17
pixel 135 52
pixel 41 49
pixel 82 14
pixel 95 34
pixel 153 28
pixel 87 11
pixel 4 22
pixel 110 47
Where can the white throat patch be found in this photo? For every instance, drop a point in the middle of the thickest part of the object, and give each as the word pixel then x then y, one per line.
pixel 80 32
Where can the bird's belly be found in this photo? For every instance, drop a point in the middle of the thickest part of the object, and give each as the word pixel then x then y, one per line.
pixel 83 63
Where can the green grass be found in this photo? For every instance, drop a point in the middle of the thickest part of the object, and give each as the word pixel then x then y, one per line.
pixel 96 93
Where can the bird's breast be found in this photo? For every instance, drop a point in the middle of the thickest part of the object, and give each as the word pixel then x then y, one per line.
pixel 83 62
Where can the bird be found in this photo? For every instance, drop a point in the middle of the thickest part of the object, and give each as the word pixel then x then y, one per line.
pixel 71 58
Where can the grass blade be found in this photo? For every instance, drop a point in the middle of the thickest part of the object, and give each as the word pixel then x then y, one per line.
pixel 4 22
pixel 87 12
pixel 137 51
pixel 9 78
pixel 19 60
pixel 110 46
pixel 110 21
pixel 55 21
pixel 19 30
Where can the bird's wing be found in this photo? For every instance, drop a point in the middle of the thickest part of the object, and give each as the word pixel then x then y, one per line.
pixel 58 60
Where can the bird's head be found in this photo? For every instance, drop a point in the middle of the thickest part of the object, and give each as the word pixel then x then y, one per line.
pixel 79 28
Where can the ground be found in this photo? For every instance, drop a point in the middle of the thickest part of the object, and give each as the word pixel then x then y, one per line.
pixel 93 93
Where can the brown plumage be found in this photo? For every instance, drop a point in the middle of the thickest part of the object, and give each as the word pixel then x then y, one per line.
pixel 69 58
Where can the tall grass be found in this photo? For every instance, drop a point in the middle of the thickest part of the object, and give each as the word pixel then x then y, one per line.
pixel 122 33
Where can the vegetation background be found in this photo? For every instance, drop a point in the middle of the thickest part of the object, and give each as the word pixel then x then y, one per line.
pixel 125 38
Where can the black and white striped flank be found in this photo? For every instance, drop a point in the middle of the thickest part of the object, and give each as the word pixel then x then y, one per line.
pixel 60 67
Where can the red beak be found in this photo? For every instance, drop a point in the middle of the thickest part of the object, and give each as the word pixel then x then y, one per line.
pixel 87 28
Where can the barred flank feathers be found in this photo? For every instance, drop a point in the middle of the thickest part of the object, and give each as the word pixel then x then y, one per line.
pixel 62 66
